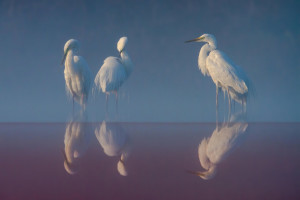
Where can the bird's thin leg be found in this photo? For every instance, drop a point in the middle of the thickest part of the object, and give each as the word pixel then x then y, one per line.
pixel 217 120
pixel 244 106
pixel 229 104
pixel 82 102
pixel 217 92
pixel 234 106
pixel 224 98
pixel 229 99
pixel 224 104
pixel 106 105
pixel 73 106
pixel 117 102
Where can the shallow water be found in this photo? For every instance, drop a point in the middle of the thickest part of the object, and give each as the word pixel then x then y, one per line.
pixel 149 161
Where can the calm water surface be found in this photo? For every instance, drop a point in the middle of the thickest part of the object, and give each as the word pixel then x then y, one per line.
pixel 149 161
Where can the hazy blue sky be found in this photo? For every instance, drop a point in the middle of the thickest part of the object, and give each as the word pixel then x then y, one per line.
pixel 263 37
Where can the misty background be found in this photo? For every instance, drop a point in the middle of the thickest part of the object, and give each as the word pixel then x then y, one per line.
pixel 263 37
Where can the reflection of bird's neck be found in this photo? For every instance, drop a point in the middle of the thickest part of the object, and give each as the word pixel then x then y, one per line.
pixel 205 50
pixel 127 62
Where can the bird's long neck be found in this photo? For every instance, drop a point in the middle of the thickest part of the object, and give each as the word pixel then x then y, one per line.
pixel 127 62
pixel 69 62
pixel 69 58
pixel 205 50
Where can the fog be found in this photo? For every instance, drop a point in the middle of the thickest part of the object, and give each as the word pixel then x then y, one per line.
pixel 263 37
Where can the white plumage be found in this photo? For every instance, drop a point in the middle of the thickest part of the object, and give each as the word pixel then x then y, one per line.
pixel 114 71
pixel 114 142
pixel 111 75
pixel 224 73
pixel 222 142
pixel 76 142
pixel 112 138
pixel 77 73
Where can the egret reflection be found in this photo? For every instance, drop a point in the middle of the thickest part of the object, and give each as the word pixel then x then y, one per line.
pixel 216 148
pixel 76 141
pixel 115 142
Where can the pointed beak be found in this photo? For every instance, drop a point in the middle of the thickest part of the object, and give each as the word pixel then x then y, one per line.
pixel 64 58
pixel 66 159
pixel 195 40
pixel 202 175
pixel 197 173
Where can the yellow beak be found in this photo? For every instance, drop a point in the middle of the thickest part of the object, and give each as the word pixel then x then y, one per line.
pixel 195 40
pixel 64 58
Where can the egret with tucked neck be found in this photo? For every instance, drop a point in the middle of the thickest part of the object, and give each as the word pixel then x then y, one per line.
pixel 77 73
pixel 114 72
pixel 224 73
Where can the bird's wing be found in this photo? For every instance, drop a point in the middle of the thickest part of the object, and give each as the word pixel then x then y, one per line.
pixel 111 137
pixel 224 140
pixel 111 75
pixel 224 71
pixel 84 75
pixel 69 88
pixel 246 79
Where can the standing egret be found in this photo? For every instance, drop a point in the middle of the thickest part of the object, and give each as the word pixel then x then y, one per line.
pixel 224 73
pixel 77 73
pixel 114 71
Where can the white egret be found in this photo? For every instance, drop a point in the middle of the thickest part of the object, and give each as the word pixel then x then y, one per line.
pixel 224 73
pixel 222 142
pixel 77 73
pixel 114 71
pixel 114 142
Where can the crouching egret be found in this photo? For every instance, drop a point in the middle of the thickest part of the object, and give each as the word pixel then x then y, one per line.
pixel 224 73
pixel 77 73
pixel 114 71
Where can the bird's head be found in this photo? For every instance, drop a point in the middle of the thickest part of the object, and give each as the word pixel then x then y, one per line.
pixel 204 38
pixel 121 44
pixel 122 168
pixel 205 175
pixel 70 44
pixel 70 167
